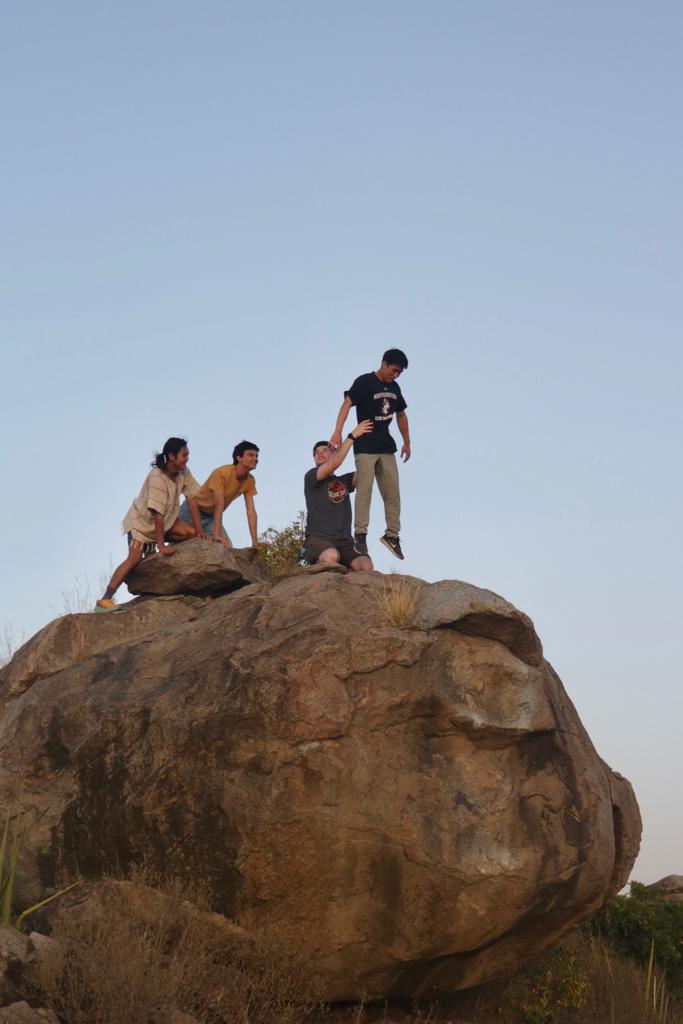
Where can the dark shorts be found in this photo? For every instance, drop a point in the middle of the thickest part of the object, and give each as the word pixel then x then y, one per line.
pixel 316 545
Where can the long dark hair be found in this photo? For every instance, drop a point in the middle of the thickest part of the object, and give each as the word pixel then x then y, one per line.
pixel 172 447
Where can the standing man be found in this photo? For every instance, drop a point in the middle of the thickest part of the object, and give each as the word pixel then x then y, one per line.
pixel 377 397
pixel 328 507
pixel 222 487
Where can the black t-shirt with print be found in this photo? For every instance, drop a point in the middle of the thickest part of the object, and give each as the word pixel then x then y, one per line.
pixel 378 402
pixel 328 505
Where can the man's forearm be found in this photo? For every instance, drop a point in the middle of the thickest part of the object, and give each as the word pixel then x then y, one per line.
pixel 159 529
pixel 402 424
pixel 335 461
pixel 341 452
pixel 342 415
pixel 194 512
pixel 218 506
pixel 252 524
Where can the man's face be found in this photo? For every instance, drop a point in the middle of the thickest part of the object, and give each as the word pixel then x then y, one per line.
pixel 390 371
pixel 249 460
pixel 180 460
pixel 321 454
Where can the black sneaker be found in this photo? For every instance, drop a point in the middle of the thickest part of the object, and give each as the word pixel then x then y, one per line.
pixel 360 543
pixel 394 545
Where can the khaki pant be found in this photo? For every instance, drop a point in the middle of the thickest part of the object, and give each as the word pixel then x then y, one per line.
pixel 382 468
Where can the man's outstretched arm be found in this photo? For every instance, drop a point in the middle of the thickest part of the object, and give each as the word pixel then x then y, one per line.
pixel 335 460
pixel 402 423
pixel 336 439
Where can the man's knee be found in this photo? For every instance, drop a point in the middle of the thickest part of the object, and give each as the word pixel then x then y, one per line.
pixel 330 556
pixel 361 564
pixel 181 531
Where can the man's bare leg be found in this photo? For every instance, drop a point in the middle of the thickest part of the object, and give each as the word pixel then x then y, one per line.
pixel 134 557
pixel 106 603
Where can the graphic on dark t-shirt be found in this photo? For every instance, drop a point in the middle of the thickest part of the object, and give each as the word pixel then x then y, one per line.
pixel 328 505
pixel 336 489
pixel 374 400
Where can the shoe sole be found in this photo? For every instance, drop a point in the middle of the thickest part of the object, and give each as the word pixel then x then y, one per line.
pixel 103 611
pixel 387 545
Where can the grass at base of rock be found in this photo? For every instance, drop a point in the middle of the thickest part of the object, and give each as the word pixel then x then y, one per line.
pixel 123 965
pixel 583 981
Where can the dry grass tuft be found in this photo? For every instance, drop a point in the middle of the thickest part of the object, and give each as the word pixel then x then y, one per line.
pixel 123 965
pixel 398 599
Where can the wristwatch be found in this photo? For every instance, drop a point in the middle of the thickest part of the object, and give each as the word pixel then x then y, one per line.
pixel 351 437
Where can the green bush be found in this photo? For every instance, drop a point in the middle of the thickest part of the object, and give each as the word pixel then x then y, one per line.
pixel 280 550
pixel 557 983
pixel 584 981
pixel 633 924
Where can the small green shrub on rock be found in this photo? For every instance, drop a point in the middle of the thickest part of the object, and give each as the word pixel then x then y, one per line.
pixel 280 550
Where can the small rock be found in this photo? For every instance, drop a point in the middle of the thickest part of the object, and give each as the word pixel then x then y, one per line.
pixel 14 945
pixel 313 570
pixel 14 952
pixel 173 1016
pixel 196 567
pixel 22 1013
pixel 44 951
pixel 671 886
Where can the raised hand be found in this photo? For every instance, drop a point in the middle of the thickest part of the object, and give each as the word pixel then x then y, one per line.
pixel 364 427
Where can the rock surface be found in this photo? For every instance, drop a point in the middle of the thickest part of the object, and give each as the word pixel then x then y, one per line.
pixel 21 959
pixel 15 951
pixel 415 810
pixel 73 638
pixel 671 887
pixel 22 1013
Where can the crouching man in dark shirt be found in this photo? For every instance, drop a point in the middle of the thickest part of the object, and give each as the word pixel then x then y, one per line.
pixel 328 506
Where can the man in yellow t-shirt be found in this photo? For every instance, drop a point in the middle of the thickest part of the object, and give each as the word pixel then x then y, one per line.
pixel 221 488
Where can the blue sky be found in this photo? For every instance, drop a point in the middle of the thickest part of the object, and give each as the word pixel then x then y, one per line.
pixel 214 216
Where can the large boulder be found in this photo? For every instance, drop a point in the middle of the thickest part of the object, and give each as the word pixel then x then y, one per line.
pixel 415 808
